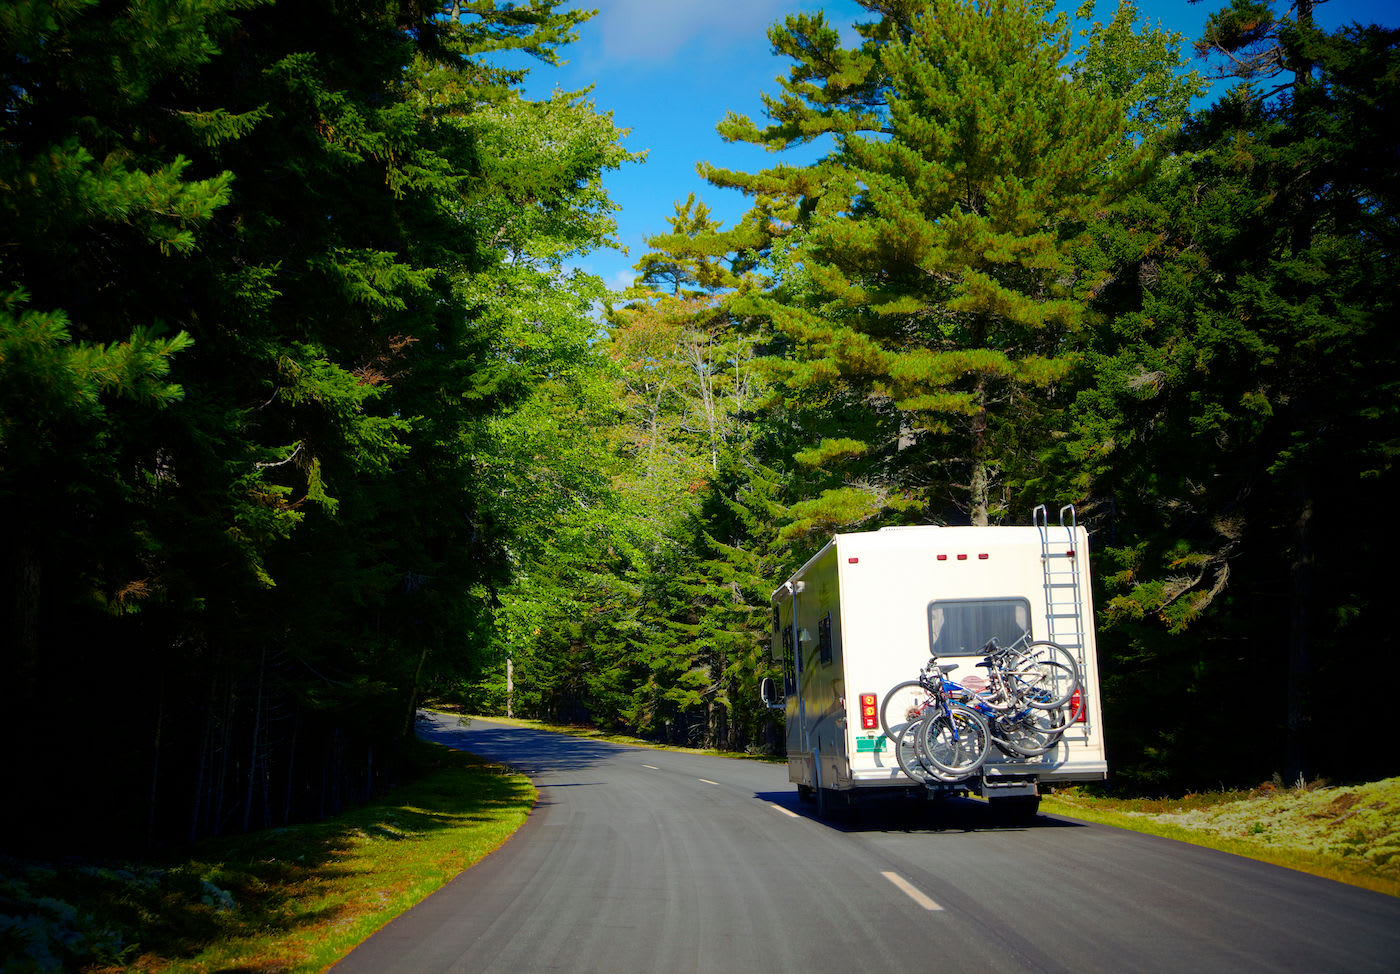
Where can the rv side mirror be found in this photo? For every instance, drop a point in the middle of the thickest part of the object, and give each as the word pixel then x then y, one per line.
pixel 768 691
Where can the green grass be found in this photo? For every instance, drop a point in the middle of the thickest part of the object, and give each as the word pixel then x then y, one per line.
pixel 1350 834
pixel 289 899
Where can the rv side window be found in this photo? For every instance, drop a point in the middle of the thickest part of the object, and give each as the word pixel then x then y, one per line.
pixel 962 628
pixel 824 639
pixel 790 662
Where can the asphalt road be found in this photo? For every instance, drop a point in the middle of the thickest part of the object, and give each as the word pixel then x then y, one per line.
pixel 653 862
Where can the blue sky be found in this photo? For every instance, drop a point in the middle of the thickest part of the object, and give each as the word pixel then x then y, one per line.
pixel 669 70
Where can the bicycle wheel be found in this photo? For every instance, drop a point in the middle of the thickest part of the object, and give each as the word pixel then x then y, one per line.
pixel 903 705
pixel 955 743
pixel 921 768
pixel 1044 675
pixel 1043 685
pixel 906 752
pixel 1030 733
pixel 1045 650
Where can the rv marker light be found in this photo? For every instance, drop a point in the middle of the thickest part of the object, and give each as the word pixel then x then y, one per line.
pixel 869 719
pixel 942 557
pixel 962 557
pixel 981 557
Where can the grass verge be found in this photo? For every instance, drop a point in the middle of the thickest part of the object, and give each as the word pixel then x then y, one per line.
pixel 1349 834
pixel 289 899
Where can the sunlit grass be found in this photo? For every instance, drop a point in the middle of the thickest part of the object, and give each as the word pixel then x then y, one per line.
pixel 288 899
pixel 1350 834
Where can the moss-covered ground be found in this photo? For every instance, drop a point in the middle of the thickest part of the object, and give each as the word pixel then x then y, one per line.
pixel 1350 833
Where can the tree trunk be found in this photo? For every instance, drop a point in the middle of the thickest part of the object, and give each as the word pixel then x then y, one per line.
pixel 291 766
pixel 155 770
pixel 27 593
pixel 1297 748
pixel 413 690
pixel 202 772
pixel 221 764
pixel 1297 754
pixel 981 482
pixel 253 750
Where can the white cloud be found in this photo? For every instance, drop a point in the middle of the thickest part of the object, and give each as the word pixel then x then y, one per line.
pixel 656 30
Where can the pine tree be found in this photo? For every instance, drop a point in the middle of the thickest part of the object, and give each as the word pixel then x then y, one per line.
pixel 260 257
pixel 1242 416
pixel 930 289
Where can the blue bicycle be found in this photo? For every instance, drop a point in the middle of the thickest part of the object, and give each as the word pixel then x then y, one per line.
pixel 937 726
pixel 934 736
pixel 1024 695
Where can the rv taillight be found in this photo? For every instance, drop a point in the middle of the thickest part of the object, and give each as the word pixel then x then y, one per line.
pixel 869 719
pixel 1076 707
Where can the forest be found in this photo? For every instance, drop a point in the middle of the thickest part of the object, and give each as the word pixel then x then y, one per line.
pixel 307 417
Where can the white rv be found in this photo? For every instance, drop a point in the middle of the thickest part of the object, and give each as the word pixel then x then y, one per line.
pixel 868 611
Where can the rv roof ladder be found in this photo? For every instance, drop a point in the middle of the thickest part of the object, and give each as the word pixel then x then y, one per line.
pixel 1060 562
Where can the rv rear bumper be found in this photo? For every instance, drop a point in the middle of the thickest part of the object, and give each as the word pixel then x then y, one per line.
pixel 1056 774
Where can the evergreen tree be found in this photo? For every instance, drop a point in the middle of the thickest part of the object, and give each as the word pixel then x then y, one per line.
pixel 278 271
pixel 930 290
pixel 1243 416
pixel 1246 40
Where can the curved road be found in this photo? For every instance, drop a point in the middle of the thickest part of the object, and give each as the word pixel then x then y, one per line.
pixel 655 862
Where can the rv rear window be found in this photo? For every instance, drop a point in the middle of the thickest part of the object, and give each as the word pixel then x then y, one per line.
pixel 962 628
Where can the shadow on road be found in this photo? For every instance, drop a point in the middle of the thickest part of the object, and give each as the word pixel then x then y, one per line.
pixel 911 815
pixel 533 752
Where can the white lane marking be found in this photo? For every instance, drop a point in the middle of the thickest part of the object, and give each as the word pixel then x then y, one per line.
pixel 707 781
pixel 908 889
pixel 786 811
pixel 652 766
